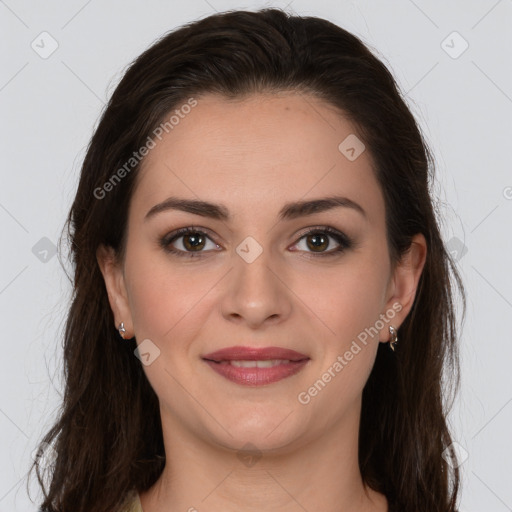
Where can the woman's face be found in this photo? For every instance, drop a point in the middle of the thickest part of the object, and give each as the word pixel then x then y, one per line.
pixel 249 275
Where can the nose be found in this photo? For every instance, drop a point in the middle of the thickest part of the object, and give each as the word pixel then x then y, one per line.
pixel 257 293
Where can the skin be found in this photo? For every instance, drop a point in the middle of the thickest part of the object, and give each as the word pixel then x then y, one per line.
pixel 289 297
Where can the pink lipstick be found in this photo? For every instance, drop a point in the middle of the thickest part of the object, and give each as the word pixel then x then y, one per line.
pixel 256 366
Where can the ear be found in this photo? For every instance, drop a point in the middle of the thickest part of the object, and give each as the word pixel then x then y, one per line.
pixel 116 289
pixel 403 285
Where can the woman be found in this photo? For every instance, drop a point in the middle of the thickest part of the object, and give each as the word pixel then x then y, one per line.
pixel 263 303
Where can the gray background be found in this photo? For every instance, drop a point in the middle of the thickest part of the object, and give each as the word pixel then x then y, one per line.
pixel 462 99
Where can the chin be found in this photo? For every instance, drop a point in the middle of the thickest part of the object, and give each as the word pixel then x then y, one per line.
pixel 265 433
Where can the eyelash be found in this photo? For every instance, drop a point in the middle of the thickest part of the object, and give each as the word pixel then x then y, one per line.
pixel 343 240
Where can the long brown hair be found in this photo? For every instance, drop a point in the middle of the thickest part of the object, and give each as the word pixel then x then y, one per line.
pixel 108 437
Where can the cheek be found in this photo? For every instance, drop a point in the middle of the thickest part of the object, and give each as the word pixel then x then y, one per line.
pixel 153 291
pixel 161 296
pixel 348 307
pixel 345 301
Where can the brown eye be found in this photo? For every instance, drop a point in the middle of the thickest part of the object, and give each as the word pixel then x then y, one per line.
pixel 187 242
pixel 194 241
pixel 318 240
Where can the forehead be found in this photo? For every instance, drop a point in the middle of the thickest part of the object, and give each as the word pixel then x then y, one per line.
pixel 256 152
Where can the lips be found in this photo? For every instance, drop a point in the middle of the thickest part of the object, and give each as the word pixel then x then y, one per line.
pixel 240 353
pixel 256 366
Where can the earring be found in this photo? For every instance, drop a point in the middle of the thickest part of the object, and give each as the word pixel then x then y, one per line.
pixel 393 338
pixel 121 330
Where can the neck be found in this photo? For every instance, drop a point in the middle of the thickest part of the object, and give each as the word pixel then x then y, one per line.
pixel 318 474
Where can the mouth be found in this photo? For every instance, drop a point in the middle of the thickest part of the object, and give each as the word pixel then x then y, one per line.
pixel 256 366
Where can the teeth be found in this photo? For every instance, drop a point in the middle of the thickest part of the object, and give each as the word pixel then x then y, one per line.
pixel 257 364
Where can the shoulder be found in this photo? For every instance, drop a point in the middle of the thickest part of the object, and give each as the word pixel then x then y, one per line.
pixel 132 503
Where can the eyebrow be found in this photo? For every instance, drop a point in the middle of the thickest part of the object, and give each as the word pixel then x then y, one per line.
pixel 289 211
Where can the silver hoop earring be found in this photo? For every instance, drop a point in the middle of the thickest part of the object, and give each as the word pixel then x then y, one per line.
pixel 393 340
pixel 121 330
